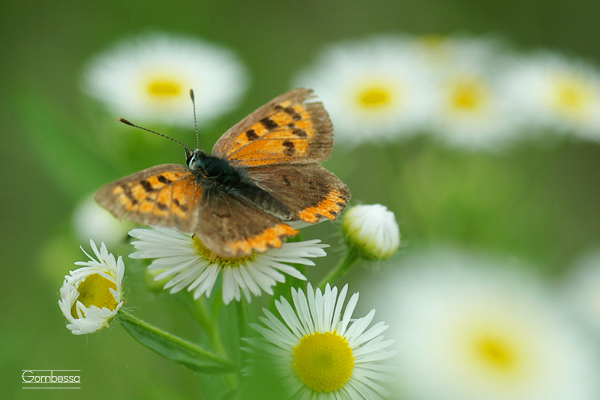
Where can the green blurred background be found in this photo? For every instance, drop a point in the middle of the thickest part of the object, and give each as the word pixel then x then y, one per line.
pixel 537 203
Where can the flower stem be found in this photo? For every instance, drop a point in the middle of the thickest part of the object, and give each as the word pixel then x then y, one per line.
pixel 203 318
pixel 241 322
pixel 173 347
pixel 352 256
pixel 241 318
pixel 208 323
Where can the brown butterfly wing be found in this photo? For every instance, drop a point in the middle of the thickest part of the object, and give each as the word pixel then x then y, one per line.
pixel 231 227
pixel 309 191
pixel 165 195
pixel 284 131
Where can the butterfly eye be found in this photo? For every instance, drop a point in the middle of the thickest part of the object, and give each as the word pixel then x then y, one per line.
pixel 190 159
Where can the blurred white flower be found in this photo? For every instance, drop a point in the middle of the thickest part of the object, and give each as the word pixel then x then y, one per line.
pixel 469 109
pixel 372 229
pixel 372 89
pixel 552 92
pixel 582 289
pixel 90 221
pixel 149 78
pixel 188 264
pixel 471 329
pixel 91 296
pixel 439 52
pixel 320 350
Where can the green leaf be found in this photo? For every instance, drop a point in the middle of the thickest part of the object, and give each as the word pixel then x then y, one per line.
pixel 175 348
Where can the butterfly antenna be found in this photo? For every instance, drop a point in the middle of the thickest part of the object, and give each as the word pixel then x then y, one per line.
pixel 195 120
pixel 123 120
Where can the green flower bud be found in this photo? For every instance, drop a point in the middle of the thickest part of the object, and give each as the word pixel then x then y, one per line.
pixel 371 229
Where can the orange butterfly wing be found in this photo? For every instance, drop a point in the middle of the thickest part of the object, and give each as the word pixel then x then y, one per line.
pixel 280 146
pixel 165 195
pixel 284 131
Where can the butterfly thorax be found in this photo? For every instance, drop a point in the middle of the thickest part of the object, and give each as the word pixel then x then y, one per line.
pixel 213 171
pixel 218 174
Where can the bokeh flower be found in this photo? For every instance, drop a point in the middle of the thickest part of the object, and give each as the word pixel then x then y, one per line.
pixel 188 264
pixel 90 221
pixel 373 89
pixel 149 78
pixel 91 296
pixel 439 51
pixel 320 351
pixel 581 289
pixel 550 91
pixel 470 108
pixel 479 329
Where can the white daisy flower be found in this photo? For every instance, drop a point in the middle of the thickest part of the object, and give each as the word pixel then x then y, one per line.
pixel 372 89
pixel 372 229
pixel 190 265
pixel 468 329
pixel 551 91
pixel 149 78
pixel 321 352
pixel 89 220
pixel 91 296
pixel 582 289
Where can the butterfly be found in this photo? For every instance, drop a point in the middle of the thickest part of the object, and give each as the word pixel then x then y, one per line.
pixel 262 175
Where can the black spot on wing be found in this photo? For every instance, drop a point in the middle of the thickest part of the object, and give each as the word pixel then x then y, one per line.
pixel 127 192
pixel 251 135
pixel 146 185
pixel 290 148
pixel 291 112
pixel 164 180
pixel 299 132
pixel 268 123
pixel 182 207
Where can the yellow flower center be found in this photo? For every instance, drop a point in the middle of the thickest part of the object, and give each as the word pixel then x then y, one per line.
pixel 374 97
pixel 432 41
pixel 323 361
pixel 466 95
pixel 222 261
pixel 94 291
pixel 436 49
pixel 571 95
pixel 495 352
pixel 164 88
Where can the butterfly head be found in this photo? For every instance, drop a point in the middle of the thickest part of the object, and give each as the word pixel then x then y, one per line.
pixel 195 158
pixel 212 170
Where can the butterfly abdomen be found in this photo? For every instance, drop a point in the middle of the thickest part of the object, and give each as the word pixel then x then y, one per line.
pixel 261 200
